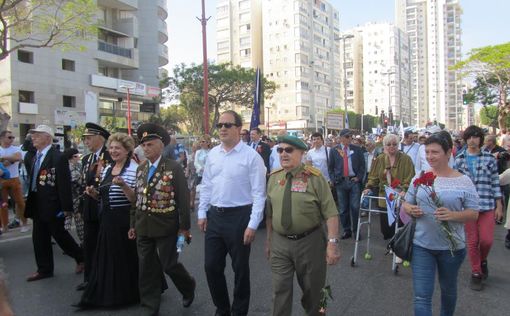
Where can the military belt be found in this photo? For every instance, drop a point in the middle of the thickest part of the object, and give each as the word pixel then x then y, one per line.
pixel 302 235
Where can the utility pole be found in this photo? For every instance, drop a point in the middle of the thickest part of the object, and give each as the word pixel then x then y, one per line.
pixel 203 20
pixel 343 38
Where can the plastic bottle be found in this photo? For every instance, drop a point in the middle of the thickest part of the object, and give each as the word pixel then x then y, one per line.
pixel 180 242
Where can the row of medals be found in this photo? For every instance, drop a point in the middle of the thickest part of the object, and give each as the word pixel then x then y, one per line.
pixel 163 197
pixel 48 179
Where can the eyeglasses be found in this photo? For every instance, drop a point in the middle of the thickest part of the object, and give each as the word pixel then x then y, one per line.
pixel 226 125
pixel 11 137
pixel 392 144
pixel 288 150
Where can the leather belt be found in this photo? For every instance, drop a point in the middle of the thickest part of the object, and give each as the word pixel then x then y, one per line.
pixel 302 235
pixel 230 209
pixel 347 178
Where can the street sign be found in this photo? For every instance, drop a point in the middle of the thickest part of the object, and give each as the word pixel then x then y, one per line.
pixel 334 121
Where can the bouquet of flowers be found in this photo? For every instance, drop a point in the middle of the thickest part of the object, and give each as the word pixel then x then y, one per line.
pixel 326 294
pixel 426 182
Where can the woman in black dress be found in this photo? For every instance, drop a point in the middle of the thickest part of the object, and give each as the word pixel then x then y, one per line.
pixel 114 276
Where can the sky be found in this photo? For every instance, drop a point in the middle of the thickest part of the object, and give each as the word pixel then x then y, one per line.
pixel 483 23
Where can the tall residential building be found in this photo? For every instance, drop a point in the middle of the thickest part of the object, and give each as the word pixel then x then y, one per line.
pixel 64 89
pixel 301 54
pixel 434 31
pixel 377 71
pixel 239 32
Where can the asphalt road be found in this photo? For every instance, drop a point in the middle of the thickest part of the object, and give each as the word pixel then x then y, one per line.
pixel 370 288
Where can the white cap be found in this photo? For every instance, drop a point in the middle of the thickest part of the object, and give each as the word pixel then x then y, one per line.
pixel 42 129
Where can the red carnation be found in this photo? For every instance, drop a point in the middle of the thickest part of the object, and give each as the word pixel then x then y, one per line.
pixel 391 197
pixel 428 178
pixel 395 183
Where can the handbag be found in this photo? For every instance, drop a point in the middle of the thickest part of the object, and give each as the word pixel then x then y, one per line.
pixel 402 242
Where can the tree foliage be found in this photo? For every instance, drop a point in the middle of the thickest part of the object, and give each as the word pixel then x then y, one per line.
pixel 169 118
pixel 491 65
pixel 228 86
pixel 45 23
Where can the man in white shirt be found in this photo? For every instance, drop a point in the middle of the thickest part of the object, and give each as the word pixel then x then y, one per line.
pixel 232 199
pixel 409 147
pixel 318 155
pixel 10 156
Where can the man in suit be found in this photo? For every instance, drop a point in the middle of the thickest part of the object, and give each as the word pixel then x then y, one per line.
pixel 160 215
pixel 49 200
pixel 94 138
pixel 262 148
pixel 347 170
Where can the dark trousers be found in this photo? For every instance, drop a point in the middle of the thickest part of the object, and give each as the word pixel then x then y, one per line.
pixel 156 255
pixel 224 235
pixel 90 234
pixel 349 194
pixel 388 230
pixel 41 239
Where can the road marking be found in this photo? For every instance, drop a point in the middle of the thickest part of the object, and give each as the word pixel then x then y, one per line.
pixel 14 238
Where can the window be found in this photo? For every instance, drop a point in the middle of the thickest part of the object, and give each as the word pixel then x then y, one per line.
pixel 245 52
pixel 26 56
pixel 68 64
pixel 26 96
pixel 68 101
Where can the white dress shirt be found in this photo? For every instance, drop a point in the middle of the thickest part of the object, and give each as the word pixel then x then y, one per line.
pixel 232 179
pixel 412 151
pixel 319 159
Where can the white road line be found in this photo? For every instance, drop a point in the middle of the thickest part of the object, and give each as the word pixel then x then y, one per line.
pixel 2 240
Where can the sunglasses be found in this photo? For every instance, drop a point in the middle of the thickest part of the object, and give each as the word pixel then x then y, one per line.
pixel 288 150
pixel 11 137
pixel 226 125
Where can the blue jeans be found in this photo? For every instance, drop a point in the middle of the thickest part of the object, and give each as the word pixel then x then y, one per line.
pixel 424 265
pixel 349 194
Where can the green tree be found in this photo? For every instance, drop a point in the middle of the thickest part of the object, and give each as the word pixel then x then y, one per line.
pixel 491 64
pixel 170 118
pixel 228 86
pixel 45 23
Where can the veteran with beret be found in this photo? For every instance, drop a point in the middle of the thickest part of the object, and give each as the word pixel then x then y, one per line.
pixel 160 214
pixel 299 201
pixel 94 138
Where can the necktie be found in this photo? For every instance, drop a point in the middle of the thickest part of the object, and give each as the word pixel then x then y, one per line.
pixel 254 145
pixel 35 173
pixel 152 169
pixel 346 162
pixel 287 203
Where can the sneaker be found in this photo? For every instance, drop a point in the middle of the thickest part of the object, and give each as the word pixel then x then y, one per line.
pixel 476 282
pixel 24 229
pixel 485 269
pixel 13 224
pixel 398 260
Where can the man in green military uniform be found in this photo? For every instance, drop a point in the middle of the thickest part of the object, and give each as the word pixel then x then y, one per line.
pixel 160 215
pixel 298 202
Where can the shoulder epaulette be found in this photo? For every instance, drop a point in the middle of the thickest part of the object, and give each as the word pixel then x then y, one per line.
pixel 276 171
pixel 313 170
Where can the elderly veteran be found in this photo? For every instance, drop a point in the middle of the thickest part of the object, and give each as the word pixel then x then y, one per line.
pixel 298 202
pixel 160 215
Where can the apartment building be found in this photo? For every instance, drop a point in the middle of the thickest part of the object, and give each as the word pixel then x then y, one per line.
pixel 64 89
pixel 434 32
pixel 301 54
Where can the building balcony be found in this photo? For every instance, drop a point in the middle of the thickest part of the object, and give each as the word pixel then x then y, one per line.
pixel 163 55
pixel 115 56
pixel 163 31
pixel 163 7
pixel 127 26
pixel 129 5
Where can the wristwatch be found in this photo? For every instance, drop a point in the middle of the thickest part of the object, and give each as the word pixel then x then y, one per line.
pixel 334 240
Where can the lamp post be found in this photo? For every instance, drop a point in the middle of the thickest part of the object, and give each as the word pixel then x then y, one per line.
pixel 343 38
pixel 268 107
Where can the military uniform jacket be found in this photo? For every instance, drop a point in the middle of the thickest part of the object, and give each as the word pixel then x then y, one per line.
pixel 91 176
pixel 312 201
pixel 162 202
pixel 53 194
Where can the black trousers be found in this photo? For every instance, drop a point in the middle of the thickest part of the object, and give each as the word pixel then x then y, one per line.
pixel 388 230
pixel 157 254
pixel 41 239
pixel 224 235
pixel 90 234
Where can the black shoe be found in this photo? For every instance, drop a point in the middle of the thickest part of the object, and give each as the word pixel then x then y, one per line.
pixel 82 306
pixel 82 286
pixel 187 301
pixel 346 235
pixel 485 269
pixel 220 313
pixel 507 243
pixel 476 282
pixel 13 224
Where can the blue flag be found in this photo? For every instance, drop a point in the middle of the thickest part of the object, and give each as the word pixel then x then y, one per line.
pixel 255 116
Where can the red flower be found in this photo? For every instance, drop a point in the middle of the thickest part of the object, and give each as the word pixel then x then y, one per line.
pixel 427 179
pixel 391 197
pixel 395 183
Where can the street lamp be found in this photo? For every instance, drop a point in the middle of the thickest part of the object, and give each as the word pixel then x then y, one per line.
pixel 268 107
pixel 343 38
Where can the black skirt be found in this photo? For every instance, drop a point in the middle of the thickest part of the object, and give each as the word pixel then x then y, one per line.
pixel 114 277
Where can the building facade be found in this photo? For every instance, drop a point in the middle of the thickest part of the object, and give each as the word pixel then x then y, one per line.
pixel 301 55
pixel 434 31
pixel 65 89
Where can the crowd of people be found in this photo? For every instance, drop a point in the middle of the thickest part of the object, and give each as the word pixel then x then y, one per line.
pixel 130 202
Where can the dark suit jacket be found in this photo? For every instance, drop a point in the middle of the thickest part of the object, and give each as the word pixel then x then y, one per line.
pixel 162 202
pixel 89 206
pixel 53 188
pixel 336 163
pixel 265 152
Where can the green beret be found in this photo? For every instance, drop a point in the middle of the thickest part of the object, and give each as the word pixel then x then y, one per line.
pixel 294 141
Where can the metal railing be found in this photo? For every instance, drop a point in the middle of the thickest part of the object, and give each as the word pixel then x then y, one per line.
pixel 114 49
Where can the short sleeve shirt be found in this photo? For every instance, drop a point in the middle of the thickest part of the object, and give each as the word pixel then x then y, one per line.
pixel 13 168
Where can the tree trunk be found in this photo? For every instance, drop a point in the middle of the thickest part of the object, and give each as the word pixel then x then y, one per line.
pixel 504 109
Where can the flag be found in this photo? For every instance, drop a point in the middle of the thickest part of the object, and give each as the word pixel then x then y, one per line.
pixel 346 121
pixel 255 115
pixel 401 129
pixel 390 204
